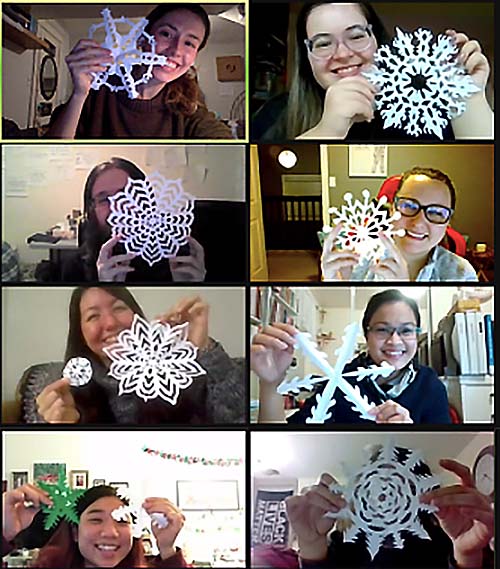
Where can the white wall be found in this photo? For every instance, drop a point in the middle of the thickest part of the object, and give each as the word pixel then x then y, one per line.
pixel 117 456
pixel 35 323
pixel 43 183
pixel 307 455
pixel 17 77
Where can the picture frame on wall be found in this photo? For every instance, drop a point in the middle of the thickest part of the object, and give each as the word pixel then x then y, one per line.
pixel 98 482
pixel 19 477
pixel 47 471
pixel 79 479
pixel 208 495
pixel 368 161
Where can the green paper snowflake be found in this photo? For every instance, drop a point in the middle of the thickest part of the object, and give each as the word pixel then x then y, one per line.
pixel 63 499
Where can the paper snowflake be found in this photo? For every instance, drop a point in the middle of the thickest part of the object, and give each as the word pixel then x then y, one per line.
pixel 362 222
pixel 154 217
pixel 125 54
pixel 154 360
pixel 139 518
pixel 421 84
pixel 321 412
pixel 64 500
pixel 78 371
pixel 383 498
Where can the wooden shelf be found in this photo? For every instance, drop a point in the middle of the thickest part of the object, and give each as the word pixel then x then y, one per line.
pixel 22 37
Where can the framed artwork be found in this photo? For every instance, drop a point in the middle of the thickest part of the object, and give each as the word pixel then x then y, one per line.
pixel 208 495
pixel 47 471
pixel 367 161
pixel 79 479
pixel 121 487
pixel 98 481
pixel 19 477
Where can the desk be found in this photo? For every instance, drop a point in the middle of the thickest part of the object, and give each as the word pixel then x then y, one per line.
pixel 56 251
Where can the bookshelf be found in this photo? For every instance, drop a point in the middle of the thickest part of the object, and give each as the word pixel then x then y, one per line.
pixel 21 37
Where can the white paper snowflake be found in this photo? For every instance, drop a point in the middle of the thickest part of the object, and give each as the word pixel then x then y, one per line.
pixel 126 55
pixel 421 84
pixel 383 498
pixel 321 412
pixel 159 520
pixel 139 518
pixel 78 371
pixel 153 216
pixel 362 222
pixel 154 360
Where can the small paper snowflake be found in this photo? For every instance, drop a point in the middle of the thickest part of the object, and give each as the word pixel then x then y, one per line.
pixel 321 412
pixel 154 360
pixel 421 84
pixel 154 217
pixel 64 500
pixel 139 518
pixel 362 222
pixel 383 498
pixel 78 371
pixel 159 520
pixel 125 54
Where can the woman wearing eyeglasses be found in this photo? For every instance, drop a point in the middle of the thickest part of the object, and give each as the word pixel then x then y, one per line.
pixel 329 97
pixel 426 199
pixel 391 324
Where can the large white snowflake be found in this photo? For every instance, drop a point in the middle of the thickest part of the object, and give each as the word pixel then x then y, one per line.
pixel 383 498
pixel 153 216
pixel 154 360
pixel 125 53
pixel 421 84
pixel 321 412
pixel 362 222
pixel 78 371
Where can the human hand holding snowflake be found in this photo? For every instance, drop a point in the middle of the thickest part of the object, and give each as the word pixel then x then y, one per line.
pixel 113 268
pixel 306 513
pixel 189 268
pixel 272 352
pixel 166 535
pixel 471 57
pixel 337 264
pixel 392 266
pixel 464 514
pixel 86 58
pixel 56 403
pixel 194 311
pixel 20 507
pixel 390 412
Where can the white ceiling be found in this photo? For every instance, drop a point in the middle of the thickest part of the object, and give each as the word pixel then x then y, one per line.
pixel 307 455
pixel 340 297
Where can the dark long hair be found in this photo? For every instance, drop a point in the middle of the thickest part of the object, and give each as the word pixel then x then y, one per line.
pixel 94 235
pixel 184 94
pixel 76 346
pixel 306 97
pixel 63 551
pixel 386 297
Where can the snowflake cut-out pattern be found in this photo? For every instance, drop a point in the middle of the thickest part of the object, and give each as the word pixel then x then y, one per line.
pixel 361 224
pixel 383 498
pixel 154 360
pixel 139 518
pixel 63 499
pixel 153 217
pixel 421 86
pixel 321 412
pixel 78 371
pixel 126 54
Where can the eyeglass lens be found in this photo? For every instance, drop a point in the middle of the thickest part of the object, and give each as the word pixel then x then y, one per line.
pixel 434 213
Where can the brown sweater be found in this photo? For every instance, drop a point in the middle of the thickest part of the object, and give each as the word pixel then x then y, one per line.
pixel 113 115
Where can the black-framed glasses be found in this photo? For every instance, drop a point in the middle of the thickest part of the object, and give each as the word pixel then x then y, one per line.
pixel 356 38
pixel 405 331
pixel 434 213
pixel 102 198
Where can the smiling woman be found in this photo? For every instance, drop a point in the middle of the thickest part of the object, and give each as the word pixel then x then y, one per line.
pixel 412 393
pixel 96 318
pixel 170 104
pixel 99 539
